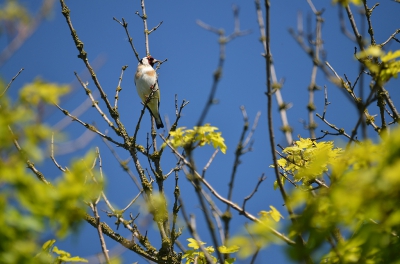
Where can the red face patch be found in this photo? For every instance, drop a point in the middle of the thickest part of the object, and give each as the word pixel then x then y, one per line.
pixel 151 60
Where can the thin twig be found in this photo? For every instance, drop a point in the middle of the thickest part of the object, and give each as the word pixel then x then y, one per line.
pixel 191 224
pixel 283 107
pixel 119 86
pixel 313 86
pixel 253 129
pixel 100 233
pixel 79 110
pixel 343 26
pixel 368 13
pixel 12 80
pixel 73 145
pixel 155 28
pixel 238 153
pixel 90 127
pixel 123 164
pixel 223 40
pixel 178 115
pixel 131 245
pixel 209 162
pixel 354 27
pixel 52 155
pixel 326 103
pixel 125 25
pixel 30 164
pixel 131 202
pixel 260 180
pixel 175 210
pixel 390 38
pixel 340 131
pixel 94 102
pixel 146 31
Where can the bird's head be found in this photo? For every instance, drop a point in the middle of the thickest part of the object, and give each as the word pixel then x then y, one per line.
pixel 148 60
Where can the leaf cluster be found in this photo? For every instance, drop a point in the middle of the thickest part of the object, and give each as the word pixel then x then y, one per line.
pixel 197 137
pixel 359 210
pixel 29 207
pixel 194 255
pixel 307 159
pixel 383 66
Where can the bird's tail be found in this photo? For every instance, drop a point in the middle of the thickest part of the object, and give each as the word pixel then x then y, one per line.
pixel 159 123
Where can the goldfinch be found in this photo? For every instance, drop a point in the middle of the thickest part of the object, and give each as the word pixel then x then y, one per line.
pixel 146 82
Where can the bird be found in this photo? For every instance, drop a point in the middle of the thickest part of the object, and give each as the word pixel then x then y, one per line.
pixel 146 81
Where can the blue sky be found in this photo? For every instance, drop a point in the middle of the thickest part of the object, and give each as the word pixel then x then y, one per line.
pixel 192 54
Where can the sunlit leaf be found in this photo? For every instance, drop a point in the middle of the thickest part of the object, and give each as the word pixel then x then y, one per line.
pixel 40 90
pixel 194 244
pixel 201 136
pixel 228 250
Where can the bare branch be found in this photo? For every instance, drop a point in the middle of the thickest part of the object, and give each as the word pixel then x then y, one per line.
pixel 52 155
pixel 155 28
pixel 94 102
pixel 125 26
pixel 287 130
pixel 343 26
pixel 146 31
pixel 223 40
pixel 90 127
pixel 30 164
pixel 133 200
pixel 209 162
pixel 123 164
pixel 131 245
pixel 119 86
pixel 368 13
pixel 393 36
pixel 354 27
pixel 100 233
pixel 191 224
pixel 260 180
pixel 12 80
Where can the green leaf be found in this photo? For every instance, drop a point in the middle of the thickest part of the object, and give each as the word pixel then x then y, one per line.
pixel 61 252
pixel 40 90
pixel 229 260
pixel 347 2
pixel 48 244
pixel 73 259
pixel 308 159
pixel 194 244
pixel 200 136
pixel 228 250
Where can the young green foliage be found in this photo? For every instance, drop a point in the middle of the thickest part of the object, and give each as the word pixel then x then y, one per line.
pixel 30 207
pixel 307 160
pixel 49 250
pixel 362 200
pixel 347 2
pixel 258 234
pixel 13 12
pixel 198 136
pixel 195 255
pixel 383 66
